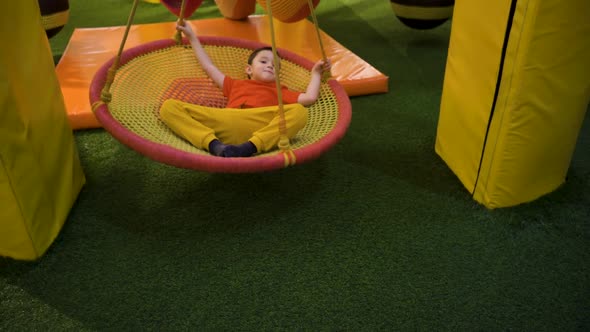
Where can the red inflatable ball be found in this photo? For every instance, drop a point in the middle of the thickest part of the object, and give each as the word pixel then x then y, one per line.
pixel 236 9
pixel 174 7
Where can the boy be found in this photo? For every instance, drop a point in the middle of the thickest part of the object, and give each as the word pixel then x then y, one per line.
pixel 234 131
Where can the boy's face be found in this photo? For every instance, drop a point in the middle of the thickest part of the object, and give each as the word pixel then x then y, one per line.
pixel 262 67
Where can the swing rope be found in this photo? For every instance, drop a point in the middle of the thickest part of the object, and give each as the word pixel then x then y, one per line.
pixel 178 35
pixel 106 94
pixel 284 144
pixel 317 28
pixel 317 31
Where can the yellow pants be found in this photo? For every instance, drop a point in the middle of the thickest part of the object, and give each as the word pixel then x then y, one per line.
pixel 200 125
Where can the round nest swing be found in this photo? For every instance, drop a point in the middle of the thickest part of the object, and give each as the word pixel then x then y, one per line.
pixel 127 92
pixel 151 73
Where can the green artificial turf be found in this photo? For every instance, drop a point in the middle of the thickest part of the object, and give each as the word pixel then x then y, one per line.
pixel 377 234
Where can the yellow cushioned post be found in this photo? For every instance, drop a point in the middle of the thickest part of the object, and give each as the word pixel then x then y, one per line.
pixel 517 85
pixel 40 173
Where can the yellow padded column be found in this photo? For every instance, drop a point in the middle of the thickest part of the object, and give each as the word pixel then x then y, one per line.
pixel 516 89
pixel 40 172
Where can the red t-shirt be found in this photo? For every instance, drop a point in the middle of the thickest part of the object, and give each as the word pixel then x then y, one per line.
pixel 250 93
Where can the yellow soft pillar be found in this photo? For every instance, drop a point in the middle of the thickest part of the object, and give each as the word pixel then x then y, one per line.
pixel 516 89
pixel 40 173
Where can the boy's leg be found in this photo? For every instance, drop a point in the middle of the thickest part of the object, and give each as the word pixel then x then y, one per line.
pixel 267 137
pixel 200 125
pixel 184 119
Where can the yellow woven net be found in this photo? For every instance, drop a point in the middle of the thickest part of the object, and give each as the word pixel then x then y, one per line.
pixel 145 82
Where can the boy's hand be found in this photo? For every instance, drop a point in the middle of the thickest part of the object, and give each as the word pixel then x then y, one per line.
pixel 186 29
pixel 322 66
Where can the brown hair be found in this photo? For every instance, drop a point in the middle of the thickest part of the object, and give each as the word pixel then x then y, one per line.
pixel 258 50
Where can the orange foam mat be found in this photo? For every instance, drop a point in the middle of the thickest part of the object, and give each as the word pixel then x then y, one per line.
pixel 88 49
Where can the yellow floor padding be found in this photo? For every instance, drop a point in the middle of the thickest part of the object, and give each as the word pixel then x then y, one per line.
pixel 40 172
pixel 516 89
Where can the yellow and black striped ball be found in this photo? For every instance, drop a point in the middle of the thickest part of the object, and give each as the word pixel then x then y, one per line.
pixel 423 14
pixel 54 15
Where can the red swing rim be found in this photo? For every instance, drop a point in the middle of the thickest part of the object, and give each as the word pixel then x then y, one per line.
pixel 209 163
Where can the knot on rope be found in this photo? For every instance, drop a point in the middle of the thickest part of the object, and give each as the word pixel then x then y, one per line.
pixel 284 143
pixel 290 158
pixel 96 105
pixel 106 96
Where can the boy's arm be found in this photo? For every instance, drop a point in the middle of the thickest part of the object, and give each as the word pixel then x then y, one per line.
pixel 312 92
pixel 213 72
